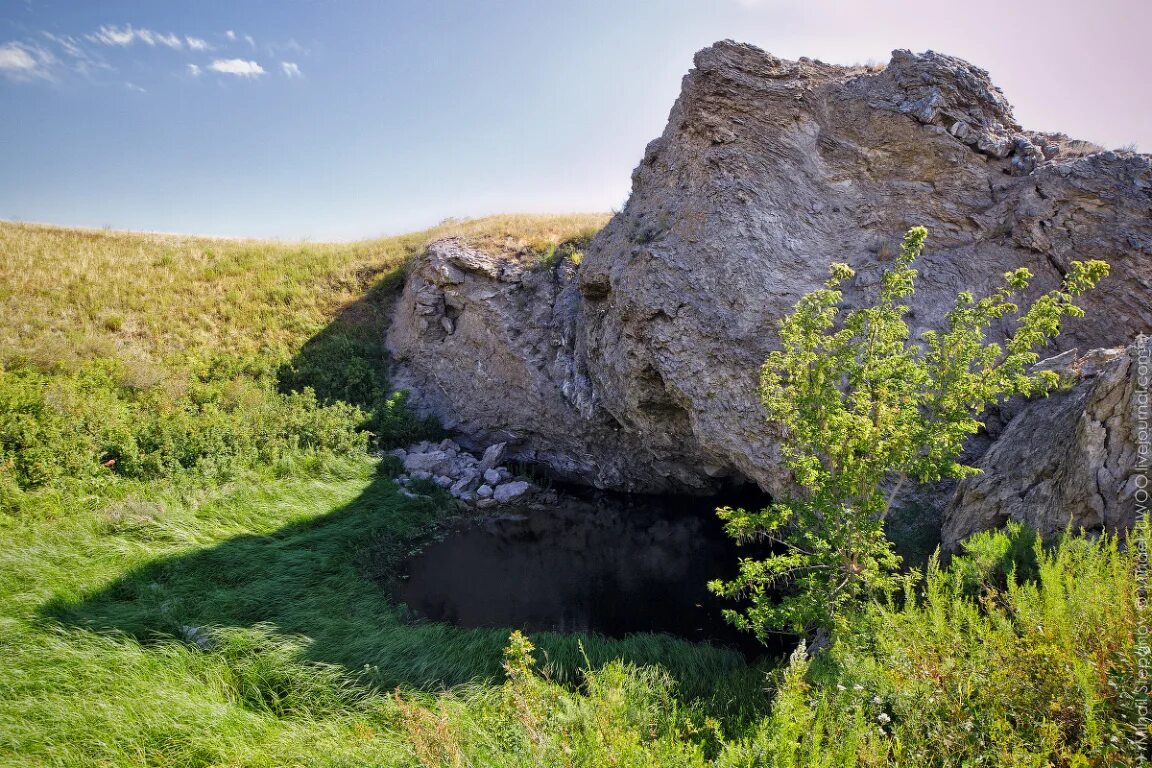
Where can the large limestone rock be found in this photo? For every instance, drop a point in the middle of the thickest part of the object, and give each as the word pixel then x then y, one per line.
pixel 1071 460
pixel 637 371
pixel 487 343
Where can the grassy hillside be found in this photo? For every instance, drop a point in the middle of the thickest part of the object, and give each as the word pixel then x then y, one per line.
pixel 194 536
pixel 71 294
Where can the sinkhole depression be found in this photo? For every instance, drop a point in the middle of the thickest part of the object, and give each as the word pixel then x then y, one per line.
pixel 598 562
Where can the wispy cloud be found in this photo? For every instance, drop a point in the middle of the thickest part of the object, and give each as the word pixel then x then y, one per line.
pixel 67 43
pixel 51 56
pixel 239 67
pixel 20 61
pixel 76 54
pixel 127 35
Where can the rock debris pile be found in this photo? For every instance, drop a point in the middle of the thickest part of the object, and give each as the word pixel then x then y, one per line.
pixel 479 482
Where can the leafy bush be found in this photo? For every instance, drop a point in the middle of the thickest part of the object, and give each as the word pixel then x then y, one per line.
pixel 1030 673
pixel 90 422
pixel 347 363
pixel 861 403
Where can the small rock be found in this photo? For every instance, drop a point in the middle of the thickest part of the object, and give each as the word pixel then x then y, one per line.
pixel 448 445
pixel 424 461
pixel 484 491
pixel 420 474
pixel 460 487
pixel 447 324
pixel 442 481
pixel 509 491
pixel 492 456
pixel 486 503
pixel 399 453
pixel 492 476
pixel 196 635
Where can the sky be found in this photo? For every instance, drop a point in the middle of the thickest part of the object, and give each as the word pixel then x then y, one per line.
pixel 337 120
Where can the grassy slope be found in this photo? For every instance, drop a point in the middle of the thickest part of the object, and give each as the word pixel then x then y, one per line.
pixel 110 582
pixel 101 577
pixel 69 293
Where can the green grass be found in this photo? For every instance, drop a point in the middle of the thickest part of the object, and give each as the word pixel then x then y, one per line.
pixel 282 576
pixel 217 595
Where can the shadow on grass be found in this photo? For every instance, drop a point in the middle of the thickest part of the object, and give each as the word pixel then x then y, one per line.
pixel 322 580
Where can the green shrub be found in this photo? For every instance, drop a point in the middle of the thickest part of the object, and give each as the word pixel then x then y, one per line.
pixel 88 423
pixel 348 364
pixel 1018 673
pixel 863 407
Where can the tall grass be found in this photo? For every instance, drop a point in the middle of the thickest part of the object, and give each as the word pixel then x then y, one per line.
pixel 1013 672
pixel 196 550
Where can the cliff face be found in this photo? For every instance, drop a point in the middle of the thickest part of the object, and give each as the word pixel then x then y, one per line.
pixel 637 370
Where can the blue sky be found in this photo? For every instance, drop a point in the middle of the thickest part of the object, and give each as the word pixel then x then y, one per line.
pixel 338 120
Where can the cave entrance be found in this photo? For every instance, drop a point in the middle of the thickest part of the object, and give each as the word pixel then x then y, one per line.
pixel 612 564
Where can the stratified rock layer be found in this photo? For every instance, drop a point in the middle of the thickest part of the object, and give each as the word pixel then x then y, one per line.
pixel 1070 461
pixel 637 370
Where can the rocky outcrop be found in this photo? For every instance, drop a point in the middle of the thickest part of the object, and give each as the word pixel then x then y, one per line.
pixel 1067 461
pixel 488 344
pixel 637 371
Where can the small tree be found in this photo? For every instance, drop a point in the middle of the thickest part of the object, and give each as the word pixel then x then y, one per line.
pixel 864 407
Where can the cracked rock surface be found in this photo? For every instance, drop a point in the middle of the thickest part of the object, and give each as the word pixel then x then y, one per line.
pixel 637 370
pixel 1066 461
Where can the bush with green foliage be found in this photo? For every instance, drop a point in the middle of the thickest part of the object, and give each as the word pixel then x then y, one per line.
pixel 980 666
pixel 348 364
pixel 213 421
pixel 863 404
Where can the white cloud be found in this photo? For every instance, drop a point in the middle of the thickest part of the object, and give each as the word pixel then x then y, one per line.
pixel 134 87
pixel 77 55
pixel 69 44
pixel 113 36
pixel 230 35
pixel 172 41
pixel 197 44
pixel 251 42
pixel 15 58
pixel 291 69
pixel 194 70
pixel 19 61
pixel 125 36
pixel 240 67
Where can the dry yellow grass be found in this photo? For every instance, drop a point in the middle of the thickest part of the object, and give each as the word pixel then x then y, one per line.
pixel 71 294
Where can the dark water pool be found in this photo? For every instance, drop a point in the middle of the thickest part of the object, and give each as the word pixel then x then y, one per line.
pixel 601 563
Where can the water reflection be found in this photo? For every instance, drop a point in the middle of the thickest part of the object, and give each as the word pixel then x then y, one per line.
pixel 605 563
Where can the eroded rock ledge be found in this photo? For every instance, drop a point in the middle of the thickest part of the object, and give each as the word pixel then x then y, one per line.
pixel 636 371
